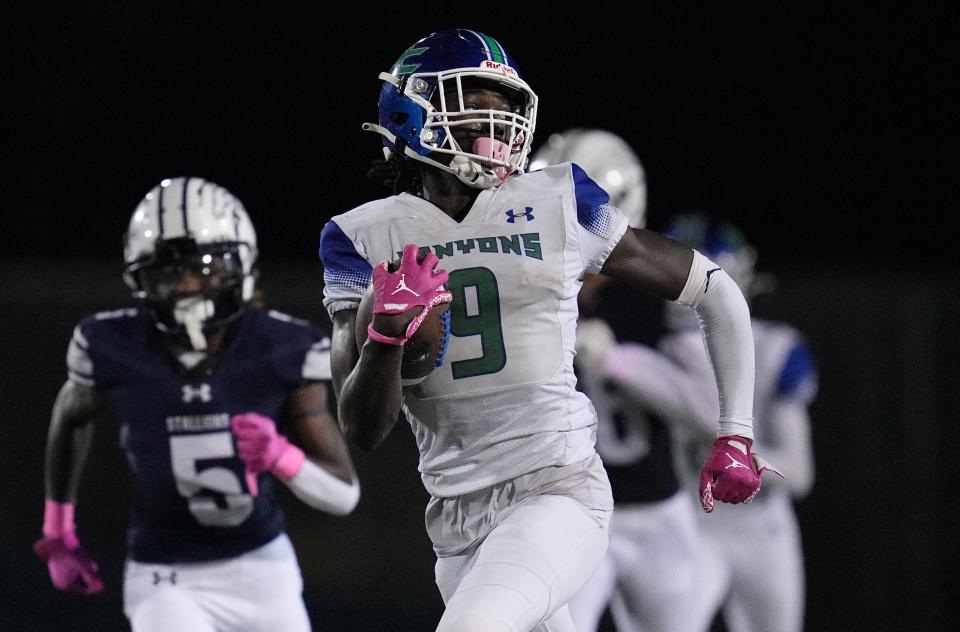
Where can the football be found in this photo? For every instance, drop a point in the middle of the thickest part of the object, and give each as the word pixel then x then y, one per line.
pixel 421 352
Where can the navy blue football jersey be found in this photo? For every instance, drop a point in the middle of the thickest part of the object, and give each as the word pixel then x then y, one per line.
pixel 190 501
pixel 645 403
pixel 635 443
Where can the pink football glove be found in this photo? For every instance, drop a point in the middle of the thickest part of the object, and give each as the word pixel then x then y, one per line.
pixel 732 472
pixel 415 283
pixel 71 569
pixel 262 448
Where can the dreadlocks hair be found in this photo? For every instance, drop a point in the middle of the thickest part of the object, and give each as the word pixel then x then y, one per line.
pixel 396 173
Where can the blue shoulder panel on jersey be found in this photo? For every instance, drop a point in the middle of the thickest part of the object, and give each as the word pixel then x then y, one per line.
pixel 593 210
pixel 342 264
pixel 341 261
pixel 796 370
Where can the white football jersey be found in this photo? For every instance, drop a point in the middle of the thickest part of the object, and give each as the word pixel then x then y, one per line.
pixel 504 402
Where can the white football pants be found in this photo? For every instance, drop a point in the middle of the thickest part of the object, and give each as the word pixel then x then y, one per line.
pixel 650 576
pixel 257 591
pixel 519 578
pixel 759 567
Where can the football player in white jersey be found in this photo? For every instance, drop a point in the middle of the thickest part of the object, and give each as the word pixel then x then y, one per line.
pixel 520 500
pixel 206 390
pixel 649 577
pixel 756 570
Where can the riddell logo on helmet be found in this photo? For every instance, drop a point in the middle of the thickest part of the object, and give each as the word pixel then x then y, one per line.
pixel 495 65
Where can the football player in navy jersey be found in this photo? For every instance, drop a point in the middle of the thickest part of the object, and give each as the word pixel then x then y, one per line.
pixel 646 405
pixel 520 502
pixel 217 401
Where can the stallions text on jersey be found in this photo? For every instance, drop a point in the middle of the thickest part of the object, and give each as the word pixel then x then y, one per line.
pixel 190 500
pixel 504 402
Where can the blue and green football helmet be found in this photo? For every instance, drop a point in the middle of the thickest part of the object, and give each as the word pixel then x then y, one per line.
pixel 421 101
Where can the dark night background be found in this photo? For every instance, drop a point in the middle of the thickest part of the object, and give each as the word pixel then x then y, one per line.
pixel 823 130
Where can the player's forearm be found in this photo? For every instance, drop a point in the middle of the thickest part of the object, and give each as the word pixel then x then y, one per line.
pixel 370 398
pixel 319 488
pixel 725 321
pixel 68 444
pixel 66 456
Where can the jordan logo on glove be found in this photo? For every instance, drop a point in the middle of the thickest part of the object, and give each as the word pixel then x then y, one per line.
pixel 402 286
pixel 732 472
pixel 735 463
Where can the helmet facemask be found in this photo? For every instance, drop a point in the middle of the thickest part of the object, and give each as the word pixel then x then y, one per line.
pixel 500 139
pixel 192 289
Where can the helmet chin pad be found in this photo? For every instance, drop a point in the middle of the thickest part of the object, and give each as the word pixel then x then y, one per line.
pixel 192 312
pixel 477 172
pixel 191 319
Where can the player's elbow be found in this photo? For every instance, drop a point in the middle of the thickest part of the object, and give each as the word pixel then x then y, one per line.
pixel 364 438
pixel 321 490
pixel 347 503
pixel 365 444
pixel 365 431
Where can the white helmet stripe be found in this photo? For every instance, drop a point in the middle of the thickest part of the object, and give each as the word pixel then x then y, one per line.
pixel 499 51
pixel 172 220
pixel 483 43
pixel 491 47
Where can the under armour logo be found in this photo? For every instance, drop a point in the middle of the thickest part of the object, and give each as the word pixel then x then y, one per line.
pixel 735 463
pixel 202 392
pixel 526 214
pixel 402 286
pixel 158 578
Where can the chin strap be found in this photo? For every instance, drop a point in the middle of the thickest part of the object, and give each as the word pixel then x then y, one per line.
pixel 466 170
pixel 192 313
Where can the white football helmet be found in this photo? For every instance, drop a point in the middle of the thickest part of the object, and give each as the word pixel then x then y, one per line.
pixel 190 226
pixel 608 160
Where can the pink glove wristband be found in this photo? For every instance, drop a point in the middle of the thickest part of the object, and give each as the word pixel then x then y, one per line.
pixel 70 567
pixel 289 462
pixel 373 334
pixel 58 522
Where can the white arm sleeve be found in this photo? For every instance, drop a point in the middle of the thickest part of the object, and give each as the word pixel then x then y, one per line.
pixel 321 490
pixel 725 323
